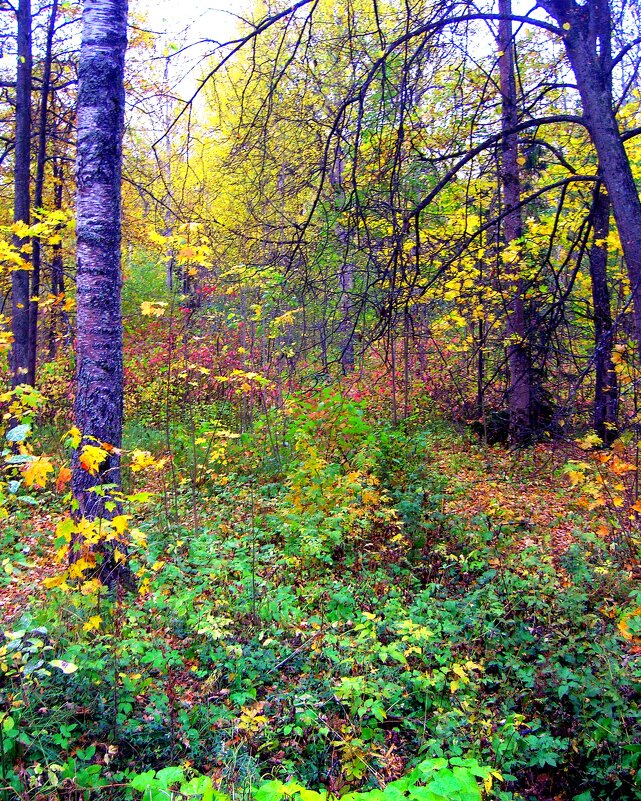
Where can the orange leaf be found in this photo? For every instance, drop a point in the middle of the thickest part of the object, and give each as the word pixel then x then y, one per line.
pixel 64 477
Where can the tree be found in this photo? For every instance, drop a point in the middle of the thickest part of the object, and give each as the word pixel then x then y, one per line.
pixel 99 381
pixel 520 395
pixel 587 36
pixel 41 154
pixel 22 197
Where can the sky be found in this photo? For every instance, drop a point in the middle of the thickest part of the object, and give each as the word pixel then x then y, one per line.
pixel 189 21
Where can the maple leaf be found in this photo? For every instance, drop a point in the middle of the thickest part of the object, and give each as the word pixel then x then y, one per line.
pixel 120 523
pixel 73 437
pixel 37 471
pixel 91 458
pixel 152 308
pixel 93 624
pixel 64 477
pixel 140 460
pixel 590 441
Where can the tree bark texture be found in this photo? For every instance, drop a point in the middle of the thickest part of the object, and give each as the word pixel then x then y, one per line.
pixel 38 194
pixel 520 392
pixel 100 121
pixel 21 204
pixel 587 32
pixel 606 393
pixel 345 328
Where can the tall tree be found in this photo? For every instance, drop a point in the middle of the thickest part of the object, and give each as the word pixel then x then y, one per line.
pixel 38 194
pixel 100 121
pixel 520 394
pixel 606 393
pixel 22 196
pixel 587 36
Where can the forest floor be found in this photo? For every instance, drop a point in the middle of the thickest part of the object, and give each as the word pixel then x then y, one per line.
pixel 292 627
pixel 522 487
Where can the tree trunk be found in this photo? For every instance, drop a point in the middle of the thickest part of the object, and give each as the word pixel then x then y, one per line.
pixel 38 194
pixel 606 394
pixel 345 328
pixel 21 203
pixel 587 38
pixel 57 276
pixel 100 120
pixel 520 392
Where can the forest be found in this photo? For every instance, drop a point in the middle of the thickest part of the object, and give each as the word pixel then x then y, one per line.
pixel 320 400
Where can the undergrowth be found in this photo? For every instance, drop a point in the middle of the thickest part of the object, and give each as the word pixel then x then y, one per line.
pixel 324 619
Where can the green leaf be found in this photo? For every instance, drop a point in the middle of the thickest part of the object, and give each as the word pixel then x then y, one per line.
pixel 170 775
pixel 143 780
pixel 270 791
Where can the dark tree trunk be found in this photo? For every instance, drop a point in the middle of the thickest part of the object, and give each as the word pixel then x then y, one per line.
pixel 21 203
pixel 587 31
pixel 606 393
pixel 346 324
pixel 57 275
pixel 38 194
pixel 520 392
pixel 345 328
pixel 100 120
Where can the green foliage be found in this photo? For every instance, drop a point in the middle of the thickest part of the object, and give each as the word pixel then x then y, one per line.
pixel 387 647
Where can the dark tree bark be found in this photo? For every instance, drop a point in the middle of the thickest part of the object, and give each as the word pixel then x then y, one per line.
pixel 520 392
pixel 21 203
pixel 38 194
pixel 587 35
pixel 606 392
pixel 345 328
pixel 57 274
pixel 100 120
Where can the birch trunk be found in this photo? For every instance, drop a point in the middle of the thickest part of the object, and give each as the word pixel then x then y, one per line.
pixel 100 121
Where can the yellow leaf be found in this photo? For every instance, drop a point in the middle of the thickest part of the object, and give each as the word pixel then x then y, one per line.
pixel 93 623
pixel 74 436
pixel 590 441
pixel 120 523
pixel 140 460
pixel 37 471
pixel 575 477
pixel 152 308
pixel 91 458
pixel 55 581
pixel 77 569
